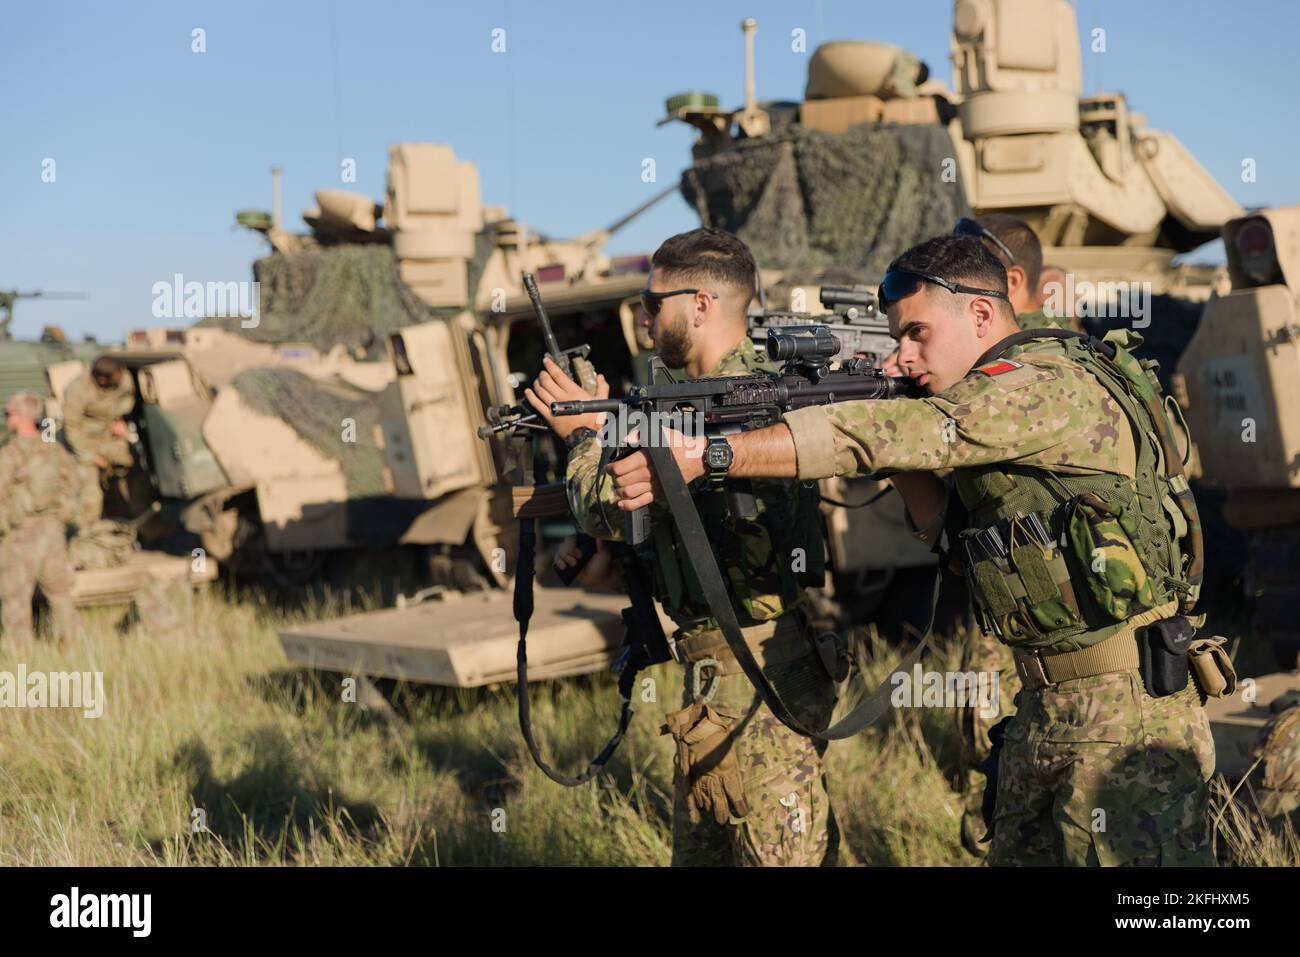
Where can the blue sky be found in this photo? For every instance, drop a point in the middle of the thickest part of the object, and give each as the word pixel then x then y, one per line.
pixel 156 146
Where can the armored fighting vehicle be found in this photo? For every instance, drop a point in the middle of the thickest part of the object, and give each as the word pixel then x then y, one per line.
pixel 341 418
pixel 879 155
pixel 1239 382
pixel 23 363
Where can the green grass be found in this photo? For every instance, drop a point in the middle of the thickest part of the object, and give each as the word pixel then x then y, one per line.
pixel 286 772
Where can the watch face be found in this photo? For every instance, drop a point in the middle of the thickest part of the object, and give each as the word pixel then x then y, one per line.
pixel 718 455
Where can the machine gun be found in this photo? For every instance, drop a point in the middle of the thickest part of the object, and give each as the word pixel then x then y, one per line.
pixel 9 296
pixel 853 318
pixel 645 643
pixel 723 404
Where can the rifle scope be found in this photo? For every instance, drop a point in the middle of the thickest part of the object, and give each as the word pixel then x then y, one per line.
pixel 802 343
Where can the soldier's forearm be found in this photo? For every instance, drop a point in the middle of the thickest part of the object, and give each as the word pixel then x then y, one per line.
pixel 763 453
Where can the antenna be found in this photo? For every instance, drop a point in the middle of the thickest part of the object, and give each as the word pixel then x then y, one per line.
pixel 275 197
pixel 753 121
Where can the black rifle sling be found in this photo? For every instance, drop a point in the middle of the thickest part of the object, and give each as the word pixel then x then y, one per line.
pixel 525 571
pixel 699 553
pixel 523 607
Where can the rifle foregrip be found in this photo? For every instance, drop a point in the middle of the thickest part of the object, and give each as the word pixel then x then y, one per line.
pixel 585 375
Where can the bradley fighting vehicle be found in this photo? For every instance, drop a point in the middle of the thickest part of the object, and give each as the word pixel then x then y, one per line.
pixel 342 417
pixel 879 155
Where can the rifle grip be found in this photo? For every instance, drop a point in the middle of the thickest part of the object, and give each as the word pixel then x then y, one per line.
pixel 586 549
pixel 638 526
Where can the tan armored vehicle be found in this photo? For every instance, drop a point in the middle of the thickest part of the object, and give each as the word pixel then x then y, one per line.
pixel 1239 380
pixel 479 340
pixel 342 417
pixel 879 155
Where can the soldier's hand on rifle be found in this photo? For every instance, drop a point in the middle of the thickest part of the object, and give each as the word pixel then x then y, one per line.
pixel 101 461
pixel 599 572
pixel 554 386
pixel 635 482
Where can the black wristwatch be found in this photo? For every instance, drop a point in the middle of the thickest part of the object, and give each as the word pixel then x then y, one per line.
pixel 578 436
pixel 718 458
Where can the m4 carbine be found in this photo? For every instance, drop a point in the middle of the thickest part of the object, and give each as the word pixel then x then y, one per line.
pixel 724 404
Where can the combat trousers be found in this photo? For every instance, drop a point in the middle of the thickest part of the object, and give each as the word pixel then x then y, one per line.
pixel 981 653
pixel 1094 771
pixel 789 820
pixel 36 552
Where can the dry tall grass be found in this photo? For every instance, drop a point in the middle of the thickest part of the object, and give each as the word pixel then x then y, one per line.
pixel 211 723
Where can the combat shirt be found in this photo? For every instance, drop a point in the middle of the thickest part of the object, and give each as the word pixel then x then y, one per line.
pixel 1032 407
pixel 88 416
pixel 37 478
pixel 1038 319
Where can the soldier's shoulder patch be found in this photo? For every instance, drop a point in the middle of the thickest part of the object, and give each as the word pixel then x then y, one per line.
pixel 999 367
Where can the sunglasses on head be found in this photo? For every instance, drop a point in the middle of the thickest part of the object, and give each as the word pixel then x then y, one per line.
pixel 969 227
pixel 899 283
pixel 652 302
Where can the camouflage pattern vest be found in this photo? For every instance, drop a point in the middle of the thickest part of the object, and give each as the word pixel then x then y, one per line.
pixel 1061 562
pixel 767 556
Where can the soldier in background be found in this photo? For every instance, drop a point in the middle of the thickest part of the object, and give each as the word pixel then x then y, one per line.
pixel 39 487
pixel 1017 247
pixel 95 407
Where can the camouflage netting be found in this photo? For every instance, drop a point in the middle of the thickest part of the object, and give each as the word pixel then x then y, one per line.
pixel 317 412
pixel 350 294
pixel 802 198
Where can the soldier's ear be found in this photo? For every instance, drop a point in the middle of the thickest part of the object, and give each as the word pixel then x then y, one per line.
pixel 1015 279
pixel 984 313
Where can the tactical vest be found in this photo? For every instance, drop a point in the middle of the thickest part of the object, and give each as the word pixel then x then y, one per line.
pixel 767 536
pixel 1061 561
pixel 769 545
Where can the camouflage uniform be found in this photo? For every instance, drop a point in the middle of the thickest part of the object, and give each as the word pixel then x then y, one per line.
pixel 1093 769
pixel 1040 320
pixel 983 652
pixel 88 416
pixel 777 812
pixel 38 493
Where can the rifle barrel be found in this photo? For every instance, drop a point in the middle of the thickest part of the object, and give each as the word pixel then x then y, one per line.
pixel 552 347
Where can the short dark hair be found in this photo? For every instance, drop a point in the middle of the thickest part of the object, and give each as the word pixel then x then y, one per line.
pixel 107 367
pixel 707 255
pixel 1020 239
pixel 962 259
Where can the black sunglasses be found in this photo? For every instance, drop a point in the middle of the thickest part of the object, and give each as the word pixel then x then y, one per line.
pixel 652 302
pixel 969 227
pixel 899 283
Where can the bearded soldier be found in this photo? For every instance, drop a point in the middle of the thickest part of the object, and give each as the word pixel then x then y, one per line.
pixel 748 790
pixel 1077 515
